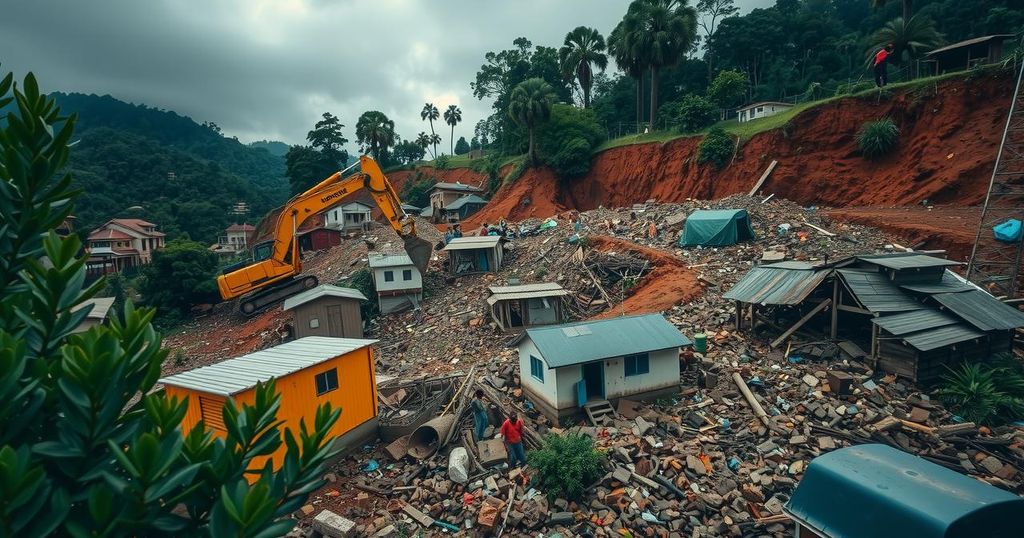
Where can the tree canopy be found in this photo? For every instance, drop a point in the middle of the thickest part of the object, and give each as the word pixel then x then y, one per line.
pixel 375 133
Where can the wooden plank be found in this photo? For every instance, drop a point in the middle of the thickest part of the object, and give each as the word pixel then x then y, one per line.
pixel 420 517
pixel 764 177
pixel 789 332
pixel 823 231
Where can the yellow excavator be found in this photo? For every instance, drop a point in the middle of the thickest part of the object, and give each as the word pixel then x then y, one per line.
pixel 275 271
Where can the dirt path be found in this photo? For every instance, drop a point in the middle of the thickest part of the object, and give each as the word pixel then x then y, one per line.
pixel 949 228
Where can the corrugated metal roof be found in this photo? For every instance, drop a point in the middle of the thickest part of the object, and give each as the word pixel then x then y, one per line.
pixel 455 187
pixel 769 284
pixel 389 260
pixel 950 283
pixel 100 307
pixel 982 310
pixel 913 321
pixel 876 293
pixel 576 343
pixel 476 241
pixel 409 208
pixel 905 261
pixel 236 375
pixel 969 42
pixel 467 199
pixel 942 336
pixel 526 291
pixel 323 290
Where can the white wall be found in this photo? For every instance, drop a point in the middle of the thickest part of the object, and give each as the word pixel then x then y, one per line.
pixel 664 372
pixel 547 389
pixel 398 283
pixel 392 303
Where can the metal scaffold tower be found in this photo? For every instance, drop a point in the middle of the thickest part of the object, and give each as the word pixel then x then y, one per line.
pixel 994 264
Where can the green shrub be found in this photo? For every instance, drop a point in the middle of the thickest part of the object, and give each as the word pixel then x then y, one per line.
pixel 441 162
pixel 181 275
pixel 567 140
pixel 566 465
pixel 362 280
pixel 416 190
pixel 517 170
pixel 716 148
pixel 729 89
pixel 878 138
pixel 985 393
pixel 689 114
pixel 851 88
pixel 491 166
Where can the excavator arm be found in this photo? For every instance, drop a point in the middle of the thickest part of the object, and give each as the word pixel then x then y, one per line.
pixel 284 262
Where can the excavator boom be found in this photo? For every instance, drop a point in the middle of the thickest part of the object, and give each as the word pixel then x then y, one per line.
pixel 271 279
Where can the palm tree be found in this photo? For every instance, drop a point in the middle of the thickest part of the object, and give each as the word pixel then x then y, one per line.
pixel 452 117
pixel 908 6
pixel 530 105
pixel 423 141
pixel 435 139
pixel 375 132
pixel 660 33
pixel 583 48
pixel 430 113
pixel 620 47
pixel 913 36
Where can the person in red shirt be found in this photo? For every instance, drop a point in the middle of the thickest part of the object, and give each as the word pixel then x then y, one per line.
pixel 881 71
pixel 512 433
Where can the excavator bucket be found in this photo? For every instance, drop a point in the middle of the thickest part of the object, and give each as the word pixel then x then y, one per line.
pixel 419 251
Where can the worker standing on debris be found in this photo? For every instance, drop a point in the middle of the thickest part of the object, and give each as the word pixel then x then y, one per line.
pixel 483 229
pixel 480 420
pixel 881 70
pixel 512 432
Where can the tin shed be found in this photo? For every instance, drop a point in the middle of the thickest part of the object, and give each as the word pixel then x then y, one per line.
pixel 527 305
pixel 476 254
pixel 327 311
pixel 309 372
pixel 879 491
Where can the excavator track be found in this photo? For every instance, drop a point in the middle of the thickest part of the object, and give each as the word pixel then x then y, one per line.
pixel 254 303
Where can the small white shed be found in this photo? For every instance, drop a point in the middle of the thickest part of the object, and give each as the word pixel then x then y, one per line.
pixel 399 283
pixel 350 216
pixel 563 367
pixel 760 110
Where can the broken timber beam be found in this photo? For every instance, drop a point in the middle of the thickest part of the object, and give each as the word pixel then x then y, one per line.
pixel 796 326
pixel 749 396
pixel 823 231
pixel 764 177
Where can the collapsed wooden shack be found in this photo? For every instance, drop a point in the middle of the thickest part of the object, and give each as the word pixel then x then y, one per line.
pixel 405 406
pixel 527 305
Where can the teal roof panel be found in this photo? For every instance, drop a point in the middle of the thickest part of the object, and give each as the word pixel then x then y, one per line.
pixel 577 343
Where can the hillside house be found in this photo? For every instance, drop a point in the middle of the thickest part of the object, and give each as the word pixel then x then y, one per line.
pixel 476 254
pixel 122 244
pixel 966 54
pixel 763 109
pixel 348 217
pixel 319 238
pixel 442 194
pixel 96 316
pixel 326 311
pixel 399 283
pixel 564 367
pixel 527 305
pixel 309 372
pixel 237 238
pixel 464 207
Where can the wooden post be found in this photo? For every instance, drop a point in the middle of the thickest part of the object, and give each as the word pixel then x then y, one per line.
pixel 874 346
pixel 753 316
pixel 796 326
pixel 835 307
pixel 739 316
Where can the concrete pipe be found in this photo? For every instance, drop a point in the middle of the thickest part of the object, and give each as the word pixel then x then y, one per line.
pixel 426 439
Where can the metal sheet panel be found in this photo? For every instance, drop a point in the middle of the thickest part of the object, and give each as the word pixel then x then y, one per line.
pixel 982 310
pixel 876 293
pixel 576 343
pixel 907 261
pixel 464 243
pixel 236 375
pixel 493 299
pixel 913 321
pixel 942 336
pixel 467 199
pixel 778 286
pixel 389 260
pixel 950 283
pixel 323 290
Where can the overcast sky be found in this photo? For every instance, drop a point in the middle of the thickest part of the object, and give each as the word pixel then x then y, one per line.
pixel 267 69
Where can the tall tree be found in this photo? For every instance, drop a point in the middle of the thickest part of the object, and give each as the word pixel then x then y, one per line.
pixel 375 133
pixel 530 106
pixel 712 10
pixel 911 38
pixel 584 49
pixel 620 45
pixel 325 154
pixel 430 113
pixel 452 117
pixel 435 139
pixel 423 140
pixel 661 32
pixel 462 146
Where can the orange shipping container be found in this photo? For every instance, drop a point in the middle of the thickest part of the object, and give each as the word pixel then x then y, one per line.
pixel 309 371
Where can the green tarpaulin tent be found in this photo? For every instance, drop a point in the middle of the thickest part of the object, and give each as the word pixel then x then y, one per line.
pixel 716 228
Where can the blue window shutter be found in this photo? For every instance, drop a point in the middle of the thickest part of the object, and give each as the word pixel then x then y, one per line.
pixel 581 393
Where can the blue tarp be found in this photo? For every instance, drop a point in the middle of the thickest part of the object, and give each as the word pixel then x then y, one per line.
pixel 1008 232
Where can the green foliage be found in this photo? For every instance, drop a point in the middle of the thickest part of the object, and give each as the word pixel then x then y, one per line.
pixel 530 106
pixel 729 89
pixel 490 165
pixel 716 148
pixel 689 114
pixel 416 190
pixel 567 140
pixel 115 288
pixel 566 465
pixel 453 116
pixel 180 276
pixel 911 38
pixel 362 280
pixel 309 165
pixel 87 447
pixel 407 152
pixel 273 147
pixel 853 87
pixel 985 393
pixel 375 133
pixel 441 162
pixel 878 138
pixel 518 167
pixel 582 50
pixel 462 147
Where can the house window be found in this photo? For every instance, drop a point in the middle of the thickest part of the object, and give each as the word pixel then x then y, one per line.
pixel 537 368
pixel 314 323
pixel 407 274
pixel 760 109
pixel 389 276
pixel 638 364
pixel 327 381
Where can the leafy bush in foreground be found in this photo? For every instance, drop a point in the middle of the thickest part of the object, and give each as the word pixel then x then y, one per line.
pixel 878 138
pixel 985 393
pixel 566 465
